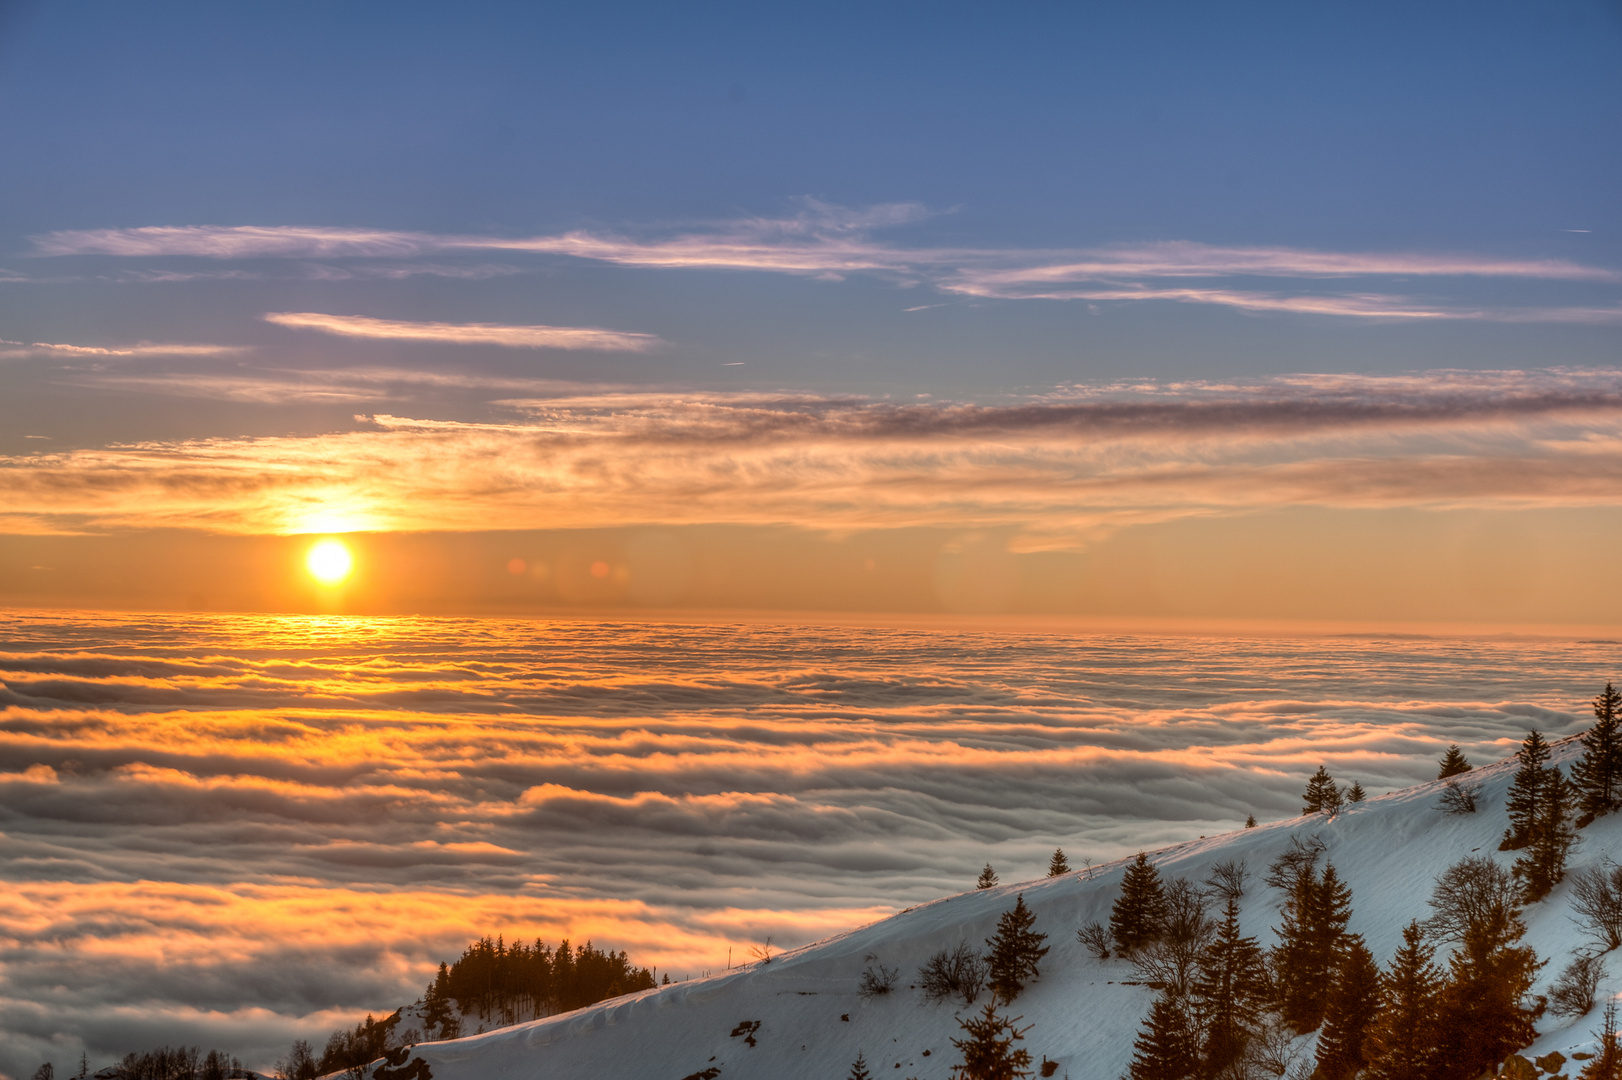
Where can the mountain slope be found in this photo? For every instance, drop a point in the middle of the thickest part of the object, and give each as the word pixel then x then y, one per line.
pixel 1081 1011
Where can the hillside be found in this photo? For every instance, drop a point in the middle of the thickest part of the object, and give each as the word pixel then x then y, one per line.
pixel 813 1023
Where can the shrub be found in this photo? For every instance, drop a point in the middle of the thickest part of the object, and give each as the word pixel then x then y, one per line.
pixel 1095 935
pixel 1458 799
pixel 1596 898
pixel 876 982
pixel 955 972
pixel 1573 993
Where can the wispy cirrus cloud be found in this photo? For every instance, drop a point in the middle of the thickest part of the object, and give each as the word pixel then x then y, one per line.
pixel 512 337
pixel 11 349
pixel 1060 466
pixel 830 242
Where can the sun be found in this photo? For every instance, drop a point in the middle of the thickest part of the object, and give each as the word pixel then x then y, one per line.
pixel 329 561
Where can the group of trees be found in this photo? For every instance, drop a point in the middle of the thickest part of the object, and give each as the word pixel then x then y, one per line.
pixel 1234 1009
pixel 510 984
pixel 1323 795
pixel 164 1063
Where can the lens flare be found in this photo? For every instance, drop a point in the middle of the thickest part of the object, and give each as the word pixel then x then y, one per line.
pixel 329 561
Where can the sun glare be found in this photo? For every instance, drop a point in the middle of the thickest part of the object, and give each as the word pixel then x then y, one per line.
pixel 329 561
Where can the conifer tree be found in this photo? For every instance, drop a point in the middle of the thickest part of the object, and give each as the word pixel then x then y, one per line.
pixel 1315 916
pixel 987 879
pixel 1543 866
pixel 1483 1014
pixel 1167 1048
pixel 1598 773
pixel 1318 791
pixel 1453 763
pixel 1139 913
pixel 1354 1000
pixel 1526 792
pixel 1013 954
pixel 1230 993
pixel 858 1068
pixel 1401 1042
pixel 1356 794
pixel 1607 1064
pixel 989 1052
pixel 1250 822
pixel 1058 866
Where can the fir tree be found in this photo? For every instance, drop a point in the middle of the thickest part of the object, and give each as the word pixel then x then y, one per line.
pixel 1058 866
pixel 1356 794
pixel 1607 1064
pixel 1526 792
pixel 1543 866
pixel 1139 913
pixel 989 1052
pixel 1230 992
pixel 987 879
pixel 1354 1000
pixel 1598 773
pixel 1453 763
pixel 1318 792
pixel 1167 1048
pixel 1250 822
pixel 858 1068
pixel 1401 1043
pixel 1482 1015
pixel 1315 916
pixel 1013 954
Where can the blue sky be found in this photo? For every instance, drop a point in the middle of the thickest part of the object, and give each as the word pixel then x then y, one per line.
pixel 226 222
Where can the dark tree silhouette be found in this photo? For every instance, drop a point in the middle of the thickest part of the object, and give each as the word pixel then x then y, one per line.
pixel 1356 794
pixel 1167 1048
pixel 1058 865
pixel 858 1068
pixel 1139 913
pixel 1402 1041
pixel 1354 1000
pixel 1230 992
pixel 1597 775
pixel 1321 794
pixel 987 878
pixel 1607 1064
pixel 1483 1015
pixel 1015 951
pixel 989 1052
pixel 1526 792
pixel 1553 833
pixel 1453 763
pixel 1250 821
pixel 1314 918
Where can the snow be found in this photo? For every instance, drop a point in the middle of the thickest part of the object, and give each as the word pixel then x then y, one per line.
pixel 1081 1011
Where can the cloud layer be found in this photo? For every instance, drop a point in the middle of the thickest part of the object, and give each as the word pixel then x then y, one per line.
pixel 830 242
pixel 1058 467
pixel 238 830
pixel 512 337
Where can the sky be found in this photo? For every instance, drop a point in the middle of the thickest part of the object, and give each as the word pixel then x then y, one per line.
pixel 1259 312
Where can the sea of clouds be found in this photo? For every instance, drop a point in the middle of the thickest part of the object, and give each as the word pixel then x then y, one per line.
pixel 238 830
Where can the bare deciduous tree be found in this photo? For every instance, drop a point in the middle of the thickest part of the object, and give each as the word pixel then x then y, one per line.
pixel 1573 993
pixel 1095 935
pixel 1458 798
pixel 958 972
pixel 1302 855
pixel 1473 893
pixel 1173 959
pixel 1596 900
pixel 1228 879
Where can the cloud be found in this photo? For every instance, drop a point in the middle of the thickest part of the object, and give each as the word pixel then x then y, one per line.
pixel 512 337
pixel 1068 463
pixel 19 349
pixel 829 242
pixel 239 831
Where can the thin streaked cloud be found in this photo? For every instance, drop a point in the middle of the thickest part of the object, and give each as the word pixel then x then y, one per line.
pixel 17 349
pixel 831 242
pixel 512 337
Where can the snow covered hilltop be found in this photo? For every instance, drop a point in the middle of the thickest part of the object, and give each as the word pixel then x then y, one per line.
pixel 803 1014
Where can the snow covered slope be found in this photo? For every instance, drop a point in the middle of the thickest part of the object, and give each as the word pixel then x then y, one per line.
pixel 812 1022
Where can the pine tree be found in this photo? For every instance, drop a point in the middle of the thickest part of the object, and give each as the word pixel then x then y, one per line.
pixel 1526 792
pixel 1013 954
pixel 1318 792
pixel 1058 866
pixel 987 879
pixel 1250 822
pixel 1482 1014
pixel 1230 992
pixel 1607 1064
pixel 989 1052
pixel 1139 913
pixel 858 1069
pixel 1315 916
pixel 1167 1047
pixel 1553 834
pixel 1453 763
pixel 1356 794
pixel 1598 773
pixel 1401 1043
pixel 1354 999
